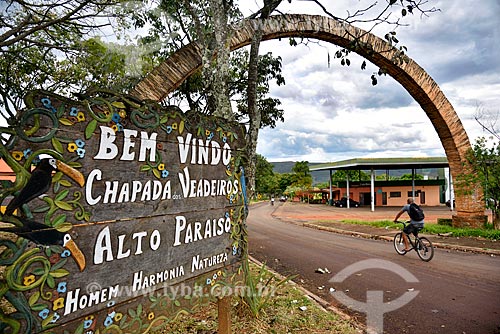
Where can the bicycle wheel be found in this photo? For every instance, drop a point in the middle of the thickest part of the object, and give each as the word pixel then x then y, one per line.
pixel 399 244
pixel 425 250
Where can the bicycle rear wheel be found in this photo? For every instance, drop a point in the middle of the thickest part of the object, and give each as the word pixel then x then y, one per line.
pixel 425 250
pixel 399 244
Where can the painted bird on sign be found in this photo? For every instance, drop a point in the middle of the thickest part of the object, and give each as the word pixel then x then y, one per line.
pixel 44 235
pixel 40 180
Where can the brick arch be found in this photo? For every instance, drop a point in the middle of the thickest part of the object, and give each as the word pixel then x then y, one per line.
pixel 171 73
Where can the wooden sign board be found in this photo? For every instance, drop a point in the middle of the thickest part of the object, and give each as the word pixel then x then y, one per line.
pixel 158 223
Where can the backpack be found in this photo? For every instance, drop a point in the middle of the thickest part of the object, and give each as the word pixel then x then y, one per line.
pixel 415 212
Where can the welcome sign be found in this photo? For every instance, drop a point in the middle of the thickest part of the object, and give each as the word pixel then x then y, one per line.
pixel 156 223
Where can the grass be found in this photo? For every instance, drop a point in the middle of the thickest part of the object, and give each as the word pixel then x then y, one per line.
pixel 488 232
pixel 282 314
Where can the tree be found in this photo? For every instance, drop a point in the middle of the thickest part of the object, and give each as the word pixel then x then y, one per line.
pixel 266 181
pixel 342 175
pixel 48 44
pixel 484 160
pixel 302 175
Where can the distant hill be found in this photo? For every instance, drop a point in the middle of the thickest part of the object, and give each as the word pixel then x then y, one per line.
pixel 283 167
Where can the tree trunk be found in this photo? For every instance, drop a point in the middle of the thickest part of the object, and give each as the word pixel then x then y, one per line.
pixel 253 112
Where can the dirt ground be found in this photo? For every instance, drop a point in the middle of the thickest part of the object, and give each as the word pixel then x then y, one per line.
pixel 330 218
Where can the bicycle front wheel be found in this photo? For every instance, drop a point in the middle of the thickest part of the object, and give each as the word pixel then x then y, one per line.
pixel 425 250
pixel 399 244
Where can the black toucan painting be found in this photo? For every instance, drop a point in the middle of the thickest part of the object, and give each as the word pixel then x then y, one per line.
pixel 38 184
pixel 40 180
pixel 44 235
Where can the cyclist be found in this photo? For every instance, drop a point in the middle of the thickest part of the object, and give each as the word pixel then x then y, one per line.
pixel 415 225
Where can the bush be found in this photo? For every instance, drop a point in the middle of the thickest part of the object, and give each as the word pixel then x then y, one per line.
pixel 445 221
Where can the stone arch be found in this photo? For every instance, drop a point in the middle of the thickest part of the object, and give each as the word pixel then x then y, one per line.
pixel 171 73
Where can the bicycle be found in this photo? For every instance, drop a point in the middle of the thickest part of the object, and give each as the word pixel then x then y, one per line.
pixel 421 245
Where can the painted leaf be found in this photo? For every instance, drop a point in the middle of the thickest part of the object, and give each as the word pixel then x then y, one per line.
pixel 57 145
pixel 181 127
pixel 51 283
pixel 59 220
pixel 63 205
pixel 65 121
pixel 38 307
pixel 64 227
pixel 34 298
pixel 62 195
pixel 59 273
pixel 156 172
pixel 118 104
pixel 89 130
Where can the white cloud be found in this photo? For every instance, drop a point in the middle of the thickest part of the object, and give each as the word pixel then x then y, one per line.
pixel 333 112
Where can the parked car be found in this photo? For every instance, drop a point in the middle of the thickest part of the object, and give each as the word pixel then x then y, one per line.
pixel 342 203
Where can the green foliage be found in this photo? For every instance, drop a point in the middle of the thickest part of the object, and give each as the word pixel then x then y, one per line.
pixel 483 167
pixel 261 287
pixel 302 175
pixel 266 182
pixel 359 175
pixel 409 177
pixel 486 232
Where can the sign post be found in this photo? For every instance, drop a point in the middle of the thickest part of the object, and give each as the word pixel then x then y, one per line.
pixel 156 228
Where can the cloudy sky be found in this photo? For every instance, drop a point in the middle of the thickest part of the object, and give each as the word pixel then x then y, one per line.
pixel 334 113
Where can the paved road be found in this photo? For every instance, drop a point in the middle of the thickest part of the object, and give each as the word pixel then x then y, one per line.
pixel 457 292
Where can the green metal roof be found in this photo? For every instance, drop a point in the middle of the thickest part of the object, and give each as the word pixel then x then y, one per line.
pixel 384 163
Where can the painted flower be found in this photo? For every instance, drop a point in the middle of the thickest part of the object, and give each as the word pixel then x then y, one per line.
pixel 28 280
pixel 44 313
pixel 151 315
pixel 164 173
pixel 207 132
pixel 80 117
pixel 219 273
pixel 17 155
pixel 87 323
pixel 209 281
pixel 224 139
pixel 159 146
pixel 48 104
pixel 72 147
pixel 27 152
pixel 161 166
pixel 80 152
pixel 111 303
pixel 55 317
pixel 122 113
pixel 80 143
pixel 235 250
pixel 210 136
pixel 65 253
pixel 226 214
pixel 114 127
pixel 108 322
pixel 174 126
pixel 73 111
pixel 61 287
pixel 119 127
pixel 214 276
pixel 54 258
pixel 115 118
pixel 118 316
pixel 168 129
pixel 58 303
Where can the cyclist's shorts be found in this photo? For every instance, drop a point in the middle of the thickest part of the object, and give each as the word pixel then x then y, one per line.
pixel 413 229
